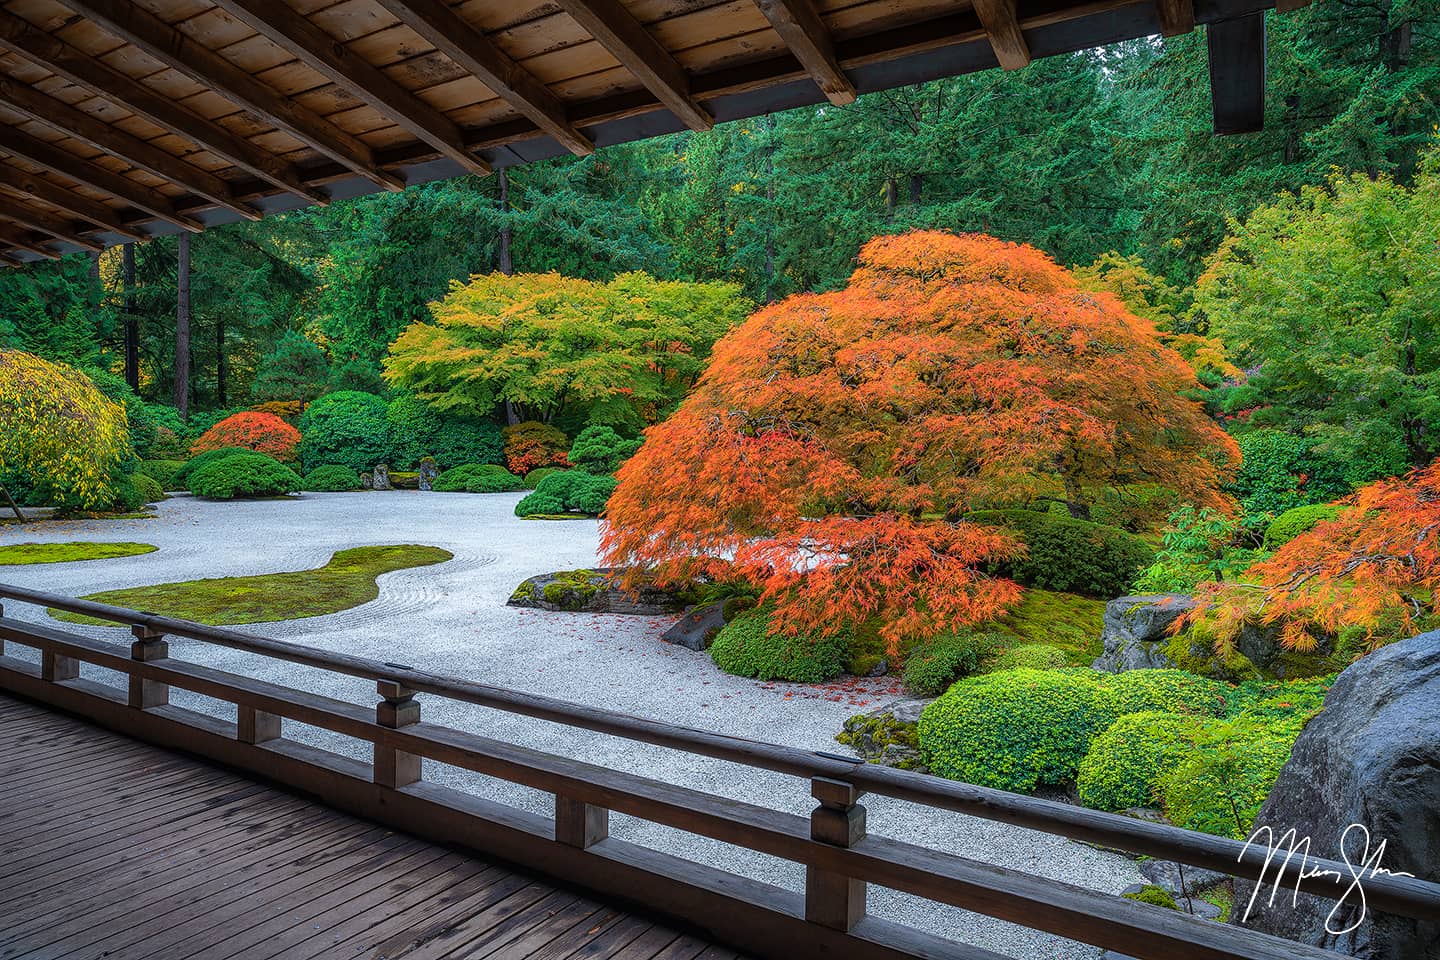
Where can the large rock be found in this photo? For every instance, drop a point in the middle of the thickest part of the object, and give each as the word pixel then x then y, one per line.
pixel 593 591
pixel 886 735
pixel 1372 757
pixel 698 627
pixel 1138 628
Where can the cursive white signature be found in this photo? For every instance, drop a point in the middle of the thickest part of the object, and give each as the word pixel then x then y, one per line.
pixel 1367 866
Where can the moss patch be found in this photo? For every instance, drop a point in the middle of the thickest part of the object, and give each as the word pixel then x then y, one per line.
pixel 1063 620
pixel 348 580
pixel 19 554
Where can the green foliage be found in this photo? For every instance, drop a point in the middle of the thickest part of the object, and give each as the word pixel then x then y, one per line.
pixel 1069 555
pixel 600 450
pixel 420 431
pixel 125 496
pixel 1173 691
pixel 1153 895
pixel 147 487
pixel 936 663
pixel 1280 471
pixel 1220 785
pixel 331 478
pixel 1125 763
pixel 360 376
pixel 1014 730
pixel 746 647
pixel 478 478
pixel 1197 545
pixel 1295 521
pixel 23 554
pixel 347 428
pixel 1032 656
pixel 244 475
pixel 569 491
pixel 295 369
pixel 162 472
pixel 180 480
pixel 533 478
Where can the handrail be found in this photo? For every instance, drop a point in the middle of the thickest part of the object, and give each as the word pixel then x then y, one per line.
pixel 1400 895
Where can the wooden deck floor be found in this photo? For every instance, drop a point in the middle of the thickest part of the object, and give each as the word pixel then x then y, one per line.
pixel 110 848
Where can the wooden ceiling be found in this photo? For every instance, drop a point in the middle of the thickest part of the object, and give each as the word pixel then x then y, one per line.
pixel 123 119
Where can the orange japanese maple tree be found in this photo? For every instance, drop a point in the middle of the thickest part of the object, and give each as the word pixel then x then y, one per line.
pixel 834 444
pixel 261 432
pixel 1377 561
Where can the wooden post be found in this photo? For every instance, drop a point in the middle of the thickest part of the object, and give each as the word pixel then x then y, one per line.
pixel 833 899
pixel 55 667
pixel 578 823
pixel 148 645
pixel 395 768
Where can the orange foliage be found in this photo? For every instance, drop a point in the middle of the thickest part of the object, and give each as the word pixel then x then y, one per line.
pixel 261 432
pixel 531 445
pixel 832 431
pixel 1379 559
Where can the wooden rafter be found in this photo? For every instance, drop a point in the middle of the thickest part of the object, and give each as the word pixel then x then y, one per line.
pixel 134 151
pixel 1002 27
pixel 83 70
pixel 57 227
pixel 67 164
pixel 1236 51
pixel 67 200
pixel 133 23
pixel 16 238
pixel 627 40
pixel 807 37
pixel 278 22
pixel 471 50
pixel 1176 17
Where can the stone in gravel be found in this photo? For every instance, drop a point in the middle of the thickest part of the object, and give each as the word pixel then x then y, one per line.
pixel 380 478
pixel 886 735
pixel 1167 873
pixel 1136 630
pixel 428 472
pixel 697 627
pixel 1372 757
pixel 593 591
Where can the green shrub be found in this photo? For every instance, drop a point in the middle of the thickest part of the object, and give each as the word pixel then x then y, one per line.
pixel 1171 691
pixel 420 431
pixel 162 472
pixel 936 663
pixel 1032 656
pixel 747 648
pixel 1153 895
pixel 533 478
pixel 331 478
pixel 149 490
pixel 1073 556
pixel 569 491
pixel 244 475
pixel 1136 508
pixel 1220 786
pixel 1295 521
pixel 1013 730
pixel 600 450
pixel 1291 702
pixel 347 428
pixel 125 494
pixel 181 478
pixel 1126 762
pixel 1280 470
pixel 478 478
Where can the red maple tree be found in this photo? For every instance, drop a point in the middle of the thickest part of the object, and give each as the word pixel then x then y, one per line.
pixel 261 432
pixel 836 441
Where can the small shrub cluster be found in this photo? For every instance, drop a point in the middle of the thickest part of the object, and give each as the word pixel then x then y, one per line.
pixel 747 647
pixel 181 478
pixel 1125 763
pixel 531 445
pixel 1032 656
pixel 569 491
pixel 147 487
pixel 533 478
pixel 1297 520
pixel 331 478
pixel 937 663
pixel 262 432
pixel 162 472
pixel 478 478
pixel 600 450
pixel 242 475
pixel 1069 555
pixel 1173 691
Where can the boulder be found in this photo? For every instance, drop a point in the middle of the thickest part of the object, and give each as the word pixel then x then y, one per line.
pixel 380 477
pixel 886 735
pixel 697 627
pixel 427 474
pixel 593 591
pixel 1137 629
pixel 1372 757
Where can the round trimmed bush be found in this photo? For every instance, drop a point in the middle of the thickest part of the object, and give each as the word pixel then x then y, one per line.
pixel 1296 521
pixel 347 428
pixel 181 479
pixel 331 478
pixel 1069 555
pixel 600 450
pixel 420 430
pixel 1014 730
pixel 746 647
pixel 162 472
pixel 244 475
pixel 1126 762
pixel 1220 786
pixel 262 432
pixel 1032 656
pixel 936 663
pixel 1171 691
pixel 533 478
pixel 478 478
pixel 569 491
pixel 125 495
pixel 146 486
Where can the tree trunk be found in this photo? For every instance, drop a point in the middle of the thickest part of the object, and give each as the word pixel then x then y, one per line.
pixel 891 190
pixel 1292 129
pixel 220 362
pixel 182 327
pixel 507 263
pixel 511 417
pixel 19 517
pixel 917 183
pixel 132 322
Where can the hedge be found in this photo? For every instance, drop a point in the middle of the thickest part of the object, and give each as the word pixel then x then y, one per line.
pixel 1127 761
pixel 747 648
pixel 347 428
pixel 1069 555
pixel 419 431
pixel 331 478
pixel 244 475
pixel 1296 521
pixel 148 488
pixel 180 480
pixel 1172 691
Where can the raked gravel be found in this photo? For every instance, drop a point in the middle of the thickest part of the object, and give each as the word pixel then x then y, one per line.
pixel 452 618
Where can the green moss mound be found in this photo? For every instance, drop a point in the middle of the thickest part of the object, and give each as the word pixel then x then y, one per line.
pixel 747 648
pixel 1153 895
pixel 348 580
pixel 1125 764
pixel 1296 521
pixel 936 663
pixel 1071 623
pixel 1069 555
pixel 244 476
pixel 478 478
pixel 21 554
pixel 331 478
pixel 1032 656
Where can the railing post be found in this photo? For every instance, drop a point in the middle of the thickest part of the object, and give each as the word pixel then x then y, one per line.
pixel 395 768
pixel 54 666
pixel 255 726
pixel 148 645
pixel 578 823
pixel 833 899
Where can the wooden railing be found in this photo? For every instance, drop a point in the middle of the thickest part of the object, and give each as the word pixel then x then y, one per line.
pixel 840 858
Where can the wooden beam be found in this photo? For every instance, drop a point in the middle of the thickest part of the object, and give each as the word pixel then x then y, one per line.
pixel 1176 17
pixel 134 151
pixel 58 227
pixel 627 40
pixel 11 237
pixel 1002 27
pixel 66 164
pixel 807 37
pixel 135 24
pixel 471 50
pixel 278 21
pixel 1237 73
pixel 67 200
pixel 81 69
